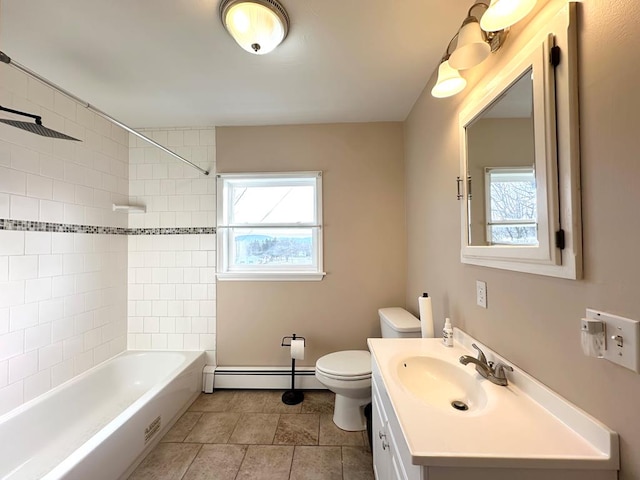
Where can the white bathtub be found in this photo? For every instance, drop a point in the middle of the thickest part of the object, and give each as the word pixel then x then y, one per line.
pixel 99 425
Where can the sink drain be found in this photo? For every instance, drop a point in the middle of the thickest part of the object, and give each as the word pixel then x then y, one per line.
pixel 458 405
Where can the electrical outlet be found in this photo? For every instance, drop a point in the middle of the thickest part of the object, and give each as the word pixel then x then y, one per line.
pixel 622 339
pixel 481 293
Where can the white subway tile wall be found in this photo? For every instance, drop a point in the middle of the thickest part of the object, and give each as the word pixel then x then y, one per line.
pixel 172 300
pixel 172 295
pixel 63 305
pixel 175 194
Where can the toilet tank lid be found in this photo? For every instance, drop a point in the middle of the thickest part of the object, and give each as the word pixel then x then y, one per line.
pixel 399 319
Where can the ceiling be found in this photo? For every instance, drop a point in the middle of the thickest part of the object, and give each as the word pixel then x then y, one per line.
pixel 170 63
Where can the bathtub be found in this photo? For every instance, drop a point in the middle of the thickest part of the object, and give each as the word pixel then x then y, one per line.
pixel 99 425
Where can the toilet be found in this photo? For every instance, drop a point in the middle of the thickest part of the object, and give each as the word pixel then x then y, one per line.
pixel 348 373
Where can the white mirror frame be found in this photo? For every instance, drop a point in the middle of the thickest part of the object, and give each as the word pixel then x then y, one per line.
pixel 545 156
pixel 556 146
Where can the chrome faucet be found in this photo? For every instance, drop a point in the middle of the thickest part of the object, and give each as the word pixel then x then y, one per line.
pixel 495 374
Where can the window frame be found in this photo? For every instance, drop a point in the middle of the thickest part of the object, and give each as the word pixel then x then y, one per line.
pixel 226 270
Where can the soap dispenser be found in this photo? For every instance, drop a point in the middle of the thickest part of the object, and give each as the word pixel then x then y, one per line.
pixel 447 333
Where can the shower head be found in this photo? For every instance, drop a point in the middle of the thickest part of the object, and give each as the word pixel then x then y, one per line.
pixel 36 127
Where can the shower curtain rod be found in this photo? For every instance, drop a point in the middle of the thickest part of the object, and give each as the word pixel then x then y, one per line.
pixel 6 59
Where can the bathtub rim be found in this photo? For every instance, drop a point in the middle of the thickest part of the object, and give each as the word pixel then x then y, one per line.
pixel 192 355
pixel 87 447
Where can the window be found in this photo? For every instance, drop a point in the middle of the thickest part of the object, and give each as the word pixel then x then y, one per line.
pixel 270 226
pixel 511 206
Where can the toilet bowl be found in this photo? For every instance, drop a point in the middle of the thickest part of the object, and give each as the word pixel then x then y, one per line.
pixel 348 373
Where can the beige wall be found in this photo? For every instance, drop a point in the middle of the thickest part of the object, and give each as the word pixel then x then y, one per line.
pixel 534 320
pixel 364 241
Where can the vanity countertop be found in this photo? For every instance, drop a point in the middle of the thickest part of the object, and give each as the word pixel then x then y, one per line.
pixel 522 425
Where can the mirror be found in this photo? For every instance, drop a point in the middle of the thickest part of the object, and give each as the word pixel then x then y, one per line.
pixel 501 169
pixel 519 160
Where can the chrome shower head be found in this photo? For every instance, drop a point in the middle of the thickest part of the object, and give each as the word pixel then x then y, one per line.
pixel 36 127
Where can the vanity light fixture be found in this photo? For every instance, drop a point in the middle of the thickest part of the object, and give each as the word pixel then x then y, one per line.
pixel 258 26
pixel 502 14
pixel 472 47
pixel 476 39
pixel 449 80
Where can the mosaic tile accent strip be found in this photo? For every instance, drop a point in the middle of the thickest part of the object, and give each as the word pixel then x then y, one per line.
pixel 172 231
pixel 31 226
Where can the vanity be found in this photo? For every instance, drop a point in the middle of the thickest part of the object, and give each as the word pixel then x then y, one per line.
pixel 436 419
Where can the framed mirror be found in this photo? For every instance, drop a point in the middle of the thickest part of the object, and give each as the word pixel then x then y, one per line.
pixel 519 181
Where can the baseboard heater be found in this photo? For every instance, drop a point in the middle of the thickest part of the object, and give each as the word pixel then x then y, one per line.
pixel 265 378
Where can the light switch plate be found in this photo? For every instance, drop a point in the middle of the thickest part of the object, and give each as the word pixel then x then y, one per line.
pixel 622 335
pixel 481 293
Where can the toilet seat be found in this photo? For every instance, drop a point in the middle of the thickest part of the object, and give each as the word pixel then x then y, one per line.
pixel 348 365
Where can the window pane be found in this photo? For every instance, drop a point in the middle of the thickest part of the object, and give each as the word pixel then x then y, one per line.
pixel 273 204
pixel 513 209
pixel 513 197
pixel 273 247
pixel 514 234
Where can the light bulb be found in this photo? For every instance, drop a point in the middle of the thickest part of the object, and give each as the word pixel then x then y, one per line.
pixel 254 26
pixel 502 14
pixel 449 81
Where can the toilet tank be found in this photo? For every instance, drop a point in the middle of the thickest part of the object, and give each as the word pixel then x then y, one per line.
pixel 396 322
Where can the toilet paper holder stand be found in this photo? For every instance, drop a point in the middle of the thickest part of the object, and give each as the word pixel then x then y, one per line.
pixel 293 396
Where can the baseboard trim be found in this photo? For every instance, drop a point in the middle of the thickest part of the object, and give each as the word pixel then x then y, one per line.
pixel 265 378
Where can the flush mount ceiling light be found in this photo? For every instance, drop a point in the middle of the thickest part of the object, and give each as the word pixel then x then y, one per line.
pixel 476 39
pixel 258 26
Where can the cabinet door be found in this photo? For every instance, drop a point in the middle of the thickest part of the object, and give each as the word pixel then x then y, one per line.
pixel 397 472
pixel 392 460
pixel 381 456
pixel 398 469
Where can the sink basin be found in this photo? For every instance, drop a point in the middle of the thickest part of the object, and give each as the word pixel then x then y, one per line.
pixel 441 384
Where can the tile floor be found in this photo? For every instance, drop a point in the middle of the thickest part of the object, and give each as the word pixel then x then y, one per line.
pixel 252 435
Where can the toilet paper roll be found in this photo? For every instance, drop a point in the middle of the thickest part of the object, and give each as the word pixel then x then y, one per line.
pixel 297 349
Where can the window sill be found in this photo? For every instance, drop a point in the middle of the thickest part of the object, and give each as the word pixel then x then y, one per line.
pixel 270 276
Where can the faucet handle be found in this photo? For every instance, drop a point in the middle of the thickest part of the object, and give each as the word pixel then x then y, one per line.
pixel 499 369
pixel 481 356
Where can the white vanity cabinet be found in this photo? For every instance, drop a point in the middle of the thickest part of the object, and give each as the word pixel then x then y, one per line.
pixel 511 436
pixel 388 443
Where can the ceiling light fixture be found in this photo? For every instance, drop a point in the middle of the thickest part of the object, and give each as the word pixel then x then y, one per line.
pixel 258 26
pixel 478 36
